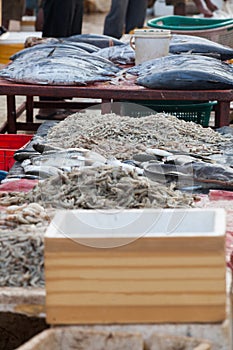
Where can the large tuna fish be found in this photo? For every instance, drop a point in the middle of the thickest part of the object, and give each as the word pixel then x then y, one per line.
pixel 194 44
pixel 186 72
pixel 100 41
pixel 120 54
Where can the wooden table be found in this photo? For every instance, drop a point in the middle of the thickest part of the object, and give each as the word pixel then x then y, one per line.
pixel 107 92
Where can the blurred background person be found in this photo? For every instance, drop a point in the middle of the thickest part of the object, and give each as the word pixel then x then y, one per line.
pixel 31 7
pixel 12 10
pixel 206 7
pixel 62 18
pixel 59 19
pixel 124 16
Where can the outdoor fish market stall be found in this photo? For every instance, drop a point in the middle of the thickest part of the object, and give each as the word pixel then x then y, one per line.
pixel 117 225
pixel 108 93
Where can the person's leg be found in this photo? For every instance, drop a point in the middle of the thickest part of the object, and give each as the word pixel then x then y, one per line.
pixel 12 10
pixel 77 18
pixel 212 7
pixel 136 14
pixel 58 15
pixel 115 19
pixel 203 9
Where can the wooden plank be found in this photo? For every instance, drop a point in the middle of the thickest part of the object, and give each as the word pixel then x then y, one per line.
pixel 134 274
pixel 134 299
pixel 155 286
pixel 126 314
pixel 133 259
pixel 142 245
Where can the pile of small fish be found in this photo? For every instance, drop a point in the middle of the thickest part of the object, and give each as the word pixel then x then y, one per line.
pixel 59 63
pixel 26 214
pixel 103 187
pixel 22 258
pixel 121 137
pixel 184 72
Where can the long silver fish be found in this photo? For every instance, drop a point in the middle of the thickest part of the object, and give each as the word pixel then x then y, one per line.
pixel 54 73
pixel 194 44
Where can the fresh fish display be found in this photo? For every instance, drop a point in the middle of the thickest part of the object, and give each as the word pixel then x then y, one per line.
pixel 53 162
pixel 22 228
pixel 192 173
pixel 120 54
pixel 181 72
pixel 42 171
pixel 177 61
pixel 105 187
pixel 121 137
pixel 44 49
pixel 58 69
pixel 197 45
pixel 81 45
pixel 35 40
pixel 22 255
pixel 31 213
pixel 100 41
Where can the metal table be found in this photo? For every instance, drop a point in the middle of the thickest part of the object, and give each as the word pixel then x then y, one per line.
pixel 107 92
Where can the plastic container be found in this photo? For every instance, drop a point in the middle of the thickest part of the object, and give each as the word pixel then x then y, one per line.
pixel 9 143
pixel 218 30
pixel 190 111
pixel 149 44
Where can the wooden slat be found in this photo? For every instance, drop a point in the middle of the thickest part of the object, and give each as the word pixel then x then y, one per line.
pixel 126 314
pixel 165 286
pixel 133 259
pixel 136 273
pixel 142 245
pixel 133 299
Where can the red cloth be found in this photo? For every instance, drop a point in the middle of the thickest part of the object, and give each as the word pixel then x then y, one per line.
pixel 220 195
pixel 22 185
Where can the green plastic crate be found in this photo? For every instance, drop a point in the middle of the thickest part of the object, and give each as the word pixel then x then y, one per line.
pixel 190 111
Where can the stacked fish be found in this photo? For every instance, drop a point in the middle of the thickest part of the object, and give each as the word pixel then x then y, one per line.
pixel 185 71
pixel 62 62
pixel 196 45
pixel 194 63
pixel 120 54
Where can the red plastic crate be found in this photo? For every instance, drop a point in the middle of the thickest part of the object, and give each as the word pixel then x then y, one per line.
pixel 9 143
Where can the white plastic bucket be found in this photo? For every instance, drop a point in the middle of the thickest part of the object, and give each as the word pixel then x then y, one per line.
pixel 150 43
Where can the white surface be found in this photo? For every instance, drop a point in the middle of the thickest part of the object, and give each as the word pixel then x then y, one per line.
pixel 18 37
pixel 134 223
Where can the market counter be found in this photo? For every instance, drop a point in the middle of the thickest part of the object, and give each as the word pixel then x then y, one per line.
pixel 108 92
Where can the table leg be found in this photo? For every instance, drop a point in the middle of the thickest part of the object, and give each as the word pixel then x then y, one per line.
pixel 106 107
pixel 29 109
pixel 11 114
pixel 222 114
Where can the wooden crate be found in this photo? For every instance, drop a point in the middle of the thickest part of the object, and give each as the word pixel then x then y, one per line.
pixel 135 266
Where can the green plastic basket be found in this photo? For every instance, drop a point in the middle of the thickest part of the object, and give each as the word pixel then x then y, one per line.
pixel 218 30
pixel 190 111
pixel 188 23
